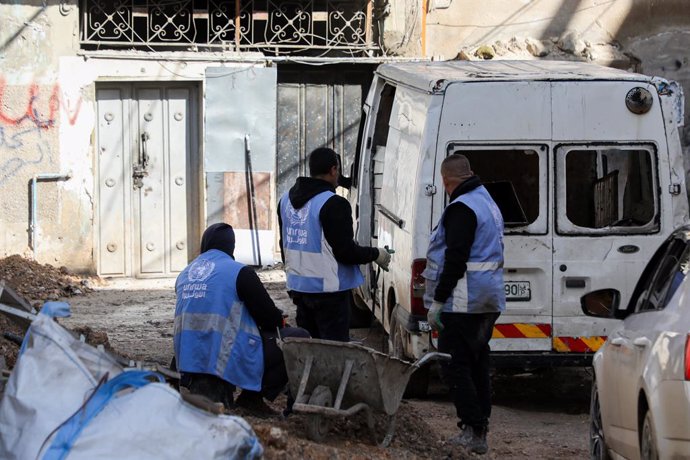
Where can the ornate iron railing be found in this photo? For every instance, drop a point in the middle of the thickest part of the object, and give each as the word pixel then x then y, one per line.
pixel 297 27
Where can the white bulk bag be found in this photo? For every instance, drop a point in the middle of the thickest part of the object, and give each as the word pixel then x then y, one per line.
pixel 54 407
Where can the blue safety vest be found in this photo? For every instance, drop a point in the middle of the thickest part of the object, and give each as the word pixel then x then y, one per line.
pixel 309 262
pixel 214 332
pixel 481 289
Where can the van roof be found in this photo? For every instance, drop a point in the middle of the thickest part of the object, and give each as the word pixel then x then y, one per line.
pixel 435 76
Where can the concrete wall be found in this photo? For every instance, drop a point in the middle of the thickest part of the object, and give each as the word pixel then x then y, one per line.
pixel 47 125
pixel 38 110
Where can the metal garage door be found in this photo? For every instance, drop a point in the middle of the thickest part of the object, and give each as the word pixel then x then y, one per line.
pixel 317 107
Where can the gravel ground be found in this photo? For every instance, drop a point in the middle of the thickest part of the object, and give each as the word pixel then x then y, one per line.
pixel 535 415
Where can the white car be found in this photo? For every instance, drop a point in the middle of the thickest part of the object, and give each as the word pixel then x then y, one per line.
pixel 641 391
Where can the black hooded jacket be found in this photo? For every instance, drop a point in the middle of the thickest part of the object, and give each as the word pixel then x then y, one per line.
pixel 336 220
pixel 250 290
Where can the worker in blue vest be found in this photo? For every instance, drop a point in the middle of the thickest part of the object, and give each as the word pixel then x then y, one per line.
pixel 226 326
pixel 465 294
pixel 320 255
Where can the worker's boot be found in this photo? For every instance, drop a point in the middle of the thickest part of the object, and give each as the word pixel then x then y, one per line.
pixel 471 438
pixel 462 438
pixel 477 443
pixel 253 402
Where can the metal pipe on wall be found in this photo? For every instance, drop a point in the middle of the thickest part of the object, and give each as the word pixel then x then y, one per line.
pixel 33 224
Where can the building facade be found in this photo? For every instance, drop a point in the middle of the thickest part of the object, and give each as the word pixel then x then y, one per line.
pixel 128 126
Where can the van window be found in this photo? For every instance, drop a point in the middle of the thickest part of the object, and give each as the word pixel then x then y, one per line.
pixel 607 189
pixel 515 177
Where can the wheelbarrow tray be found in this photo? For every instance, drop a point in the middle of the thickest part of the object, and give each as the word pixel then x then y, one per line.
pixel 355 374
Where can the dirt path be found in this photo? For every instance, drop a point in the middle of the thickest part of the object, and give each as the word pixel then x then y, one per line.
pixel 541 415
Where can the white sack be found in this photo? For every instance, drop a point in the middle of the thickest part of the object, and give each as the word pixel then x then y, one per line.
pixel 55 374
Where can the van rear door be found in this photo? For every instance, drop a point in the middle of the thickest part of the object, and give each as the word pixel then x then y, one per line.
pixel 504 128
pixel 610 194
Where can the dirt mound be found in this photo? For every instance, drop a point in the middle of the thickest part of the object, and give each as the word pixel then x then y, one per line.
pixel 40 282
pixel 37 283
pixel 350 438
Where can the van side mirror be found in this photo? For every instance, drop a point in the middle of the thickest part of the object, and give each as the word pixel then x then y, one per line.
pixel 602 303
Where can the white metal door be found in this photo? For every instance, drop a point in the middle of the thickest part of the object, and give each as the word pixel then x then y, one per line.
pixel 147 174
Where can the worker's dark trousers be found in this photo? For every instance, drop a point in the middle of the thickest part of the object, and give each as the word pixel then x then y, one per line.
pixel 466 337
pixel 326 316
pixel 275 374
pixel 274 380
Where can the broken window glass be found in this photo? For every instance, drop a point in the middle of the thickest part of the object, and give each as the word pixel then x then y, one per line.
pixel 610 188
pixel 512 178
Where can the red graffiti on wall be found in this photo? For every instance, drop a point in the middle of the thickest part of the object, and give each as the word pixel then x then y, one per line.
pixel 32 114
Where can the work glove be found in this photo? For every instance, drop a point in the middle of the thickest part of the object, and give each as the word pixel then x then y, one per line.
pixel 383 259
pixel 433 316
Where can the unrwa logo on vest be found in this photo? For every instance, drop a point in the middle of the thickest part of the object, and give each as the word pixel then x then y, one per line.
pixel 200 270
pixel 299 216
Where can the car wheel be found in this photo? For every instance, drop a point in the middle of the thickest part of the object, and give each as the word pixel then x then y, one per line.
pixel 648 449
pixel 597 443
pixel 418 385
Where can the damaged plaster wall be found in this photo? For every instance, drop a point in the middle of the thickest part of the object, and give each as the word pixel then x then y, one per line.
pixel 48 125
pixel 36 108
pixel 666 54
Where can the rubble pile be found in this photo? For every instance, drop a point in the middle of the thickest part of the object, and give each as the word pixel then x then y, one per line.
pixel 569 47
pixel 37 283
pixel 40 282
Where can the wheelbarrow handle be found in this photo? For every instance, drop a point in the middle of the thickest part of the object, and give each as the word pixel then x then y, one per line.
pixel 433 356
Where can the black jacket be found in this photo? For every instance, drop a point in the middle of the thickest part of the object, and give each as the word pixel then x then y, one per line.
pixel 460 223
pixel 251 291
pixel 336 220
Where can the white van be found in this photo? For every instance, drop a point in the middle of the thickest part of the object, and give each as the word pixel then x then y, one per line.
pixel 584 162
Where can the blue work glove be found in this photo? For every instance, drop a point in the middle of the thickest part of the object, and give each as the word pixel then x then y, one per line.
pixel 433 316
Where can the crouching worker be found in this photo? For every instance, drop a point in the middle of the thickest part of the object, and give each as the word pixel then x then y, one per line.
pixel 225 328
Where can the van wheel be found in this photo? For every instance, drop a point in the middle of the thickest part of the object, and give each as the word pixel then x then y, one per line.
pixel 648 450
pixel 418 385
pixel 597 443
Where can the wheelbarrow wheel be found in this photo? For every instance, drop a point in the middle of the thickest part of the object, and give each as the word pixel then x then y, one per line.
pixel 318 425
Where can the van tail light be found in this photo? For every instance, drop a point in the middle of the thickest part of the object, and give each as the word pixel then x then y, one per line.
pixel 417 287
pixel 687 357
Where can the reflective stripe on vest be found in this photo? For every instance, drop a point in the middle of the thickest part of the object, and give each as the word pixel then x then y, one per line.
pixel 214 332
pixel 310 265
pixel 481 289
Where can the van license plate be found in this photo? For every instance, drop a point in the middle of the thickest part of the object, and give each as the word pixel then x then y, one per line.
pixel 517 290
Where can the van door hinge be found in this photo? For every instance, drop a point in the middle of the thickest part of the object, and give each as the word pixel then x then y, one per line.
pixel 430 190
pixel 674 189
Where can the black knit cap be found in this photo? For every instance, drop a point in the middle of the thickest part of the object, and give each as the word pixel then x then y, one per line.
pixel 321 161
pixel 219 236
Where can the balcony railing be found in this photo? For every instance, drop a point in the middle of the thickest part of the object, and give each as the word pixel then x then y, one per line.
pixel 312 28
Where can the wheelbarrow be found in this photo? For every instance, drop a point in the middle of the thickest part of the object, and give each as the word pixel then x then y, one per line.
pixel 330 379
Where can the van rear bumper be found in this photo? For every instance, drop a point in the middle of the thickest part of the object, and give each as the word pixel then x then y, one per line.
pixel 540 359
pixel 499 359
